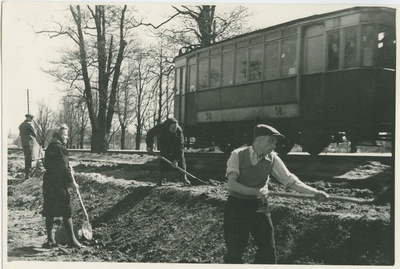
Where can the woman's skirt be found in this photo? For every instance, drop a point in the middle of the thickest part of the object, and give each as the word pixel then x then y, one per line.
pixel 57 201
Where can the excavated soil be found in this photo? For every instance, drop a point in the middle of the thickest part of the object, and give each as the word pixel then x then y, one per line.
pixel 135 222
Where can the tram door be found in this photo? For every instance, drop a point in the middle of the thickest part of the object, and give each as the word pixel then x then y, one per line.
pixel 313 68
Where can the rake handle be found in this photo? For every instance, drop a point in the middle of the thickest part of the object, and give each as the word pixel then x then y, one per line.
pixel 311 196
pixel 182 170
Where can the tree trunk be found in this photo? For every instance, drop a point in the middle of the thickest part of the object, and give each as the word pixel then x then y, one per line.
pixel 99 142
pixel 160 90
pixel 138 136
pixel 42 141
pixel 85 74
pixel 123 134
pixel 82 131
pixel 81 137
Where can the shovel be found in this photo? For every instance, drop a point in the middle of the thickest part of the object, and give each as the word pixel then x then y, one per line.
pixel 86 229
pixel 183 171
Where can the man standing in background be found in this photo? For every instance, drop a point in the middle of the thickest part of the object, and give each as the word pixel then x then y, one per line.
pixel 171 141
pixel 32 149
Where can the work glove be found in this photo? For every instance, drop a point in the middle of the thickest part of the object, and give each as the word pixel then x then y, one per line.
pixel 174 163
pixel 321 196
pixel 263 193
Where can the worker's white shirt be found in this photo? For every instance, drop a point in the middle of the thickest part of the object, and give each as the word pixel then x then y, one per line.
pixel 279 169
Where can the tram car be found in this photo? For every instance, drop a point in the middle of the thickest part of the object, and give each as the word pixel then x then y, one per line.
pixel 316 79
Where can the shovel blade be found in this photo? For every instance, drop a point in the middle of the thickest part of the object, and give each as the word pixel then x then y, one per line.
pixel 86 231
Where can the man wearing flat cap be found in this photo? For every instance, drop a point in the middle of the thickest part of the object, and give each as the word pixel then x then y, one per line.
pixel 171 143
pixel 32 149
pixel 248 172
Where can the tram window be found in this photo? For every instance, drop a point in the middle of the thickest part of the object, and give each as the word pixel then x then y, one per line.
pixel 183 80
pixel 350 47
pixel 215 51
pixel 204 54
pixel 256 40
pixel 203 73
pixel 177 81
pixel 192 78
pixel 255 63
pixel 227 68
pixel 241 66
pixel 333 50
pixel 272 35
pixel 367 45
pixel 288 57
pixel 271 60
pixel 215 71
pixel 228 47
pixel 289 32
pixel 386 47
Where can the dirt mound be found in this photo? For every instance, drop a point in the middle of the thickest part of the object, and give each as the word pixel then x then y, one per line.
pixel 133 221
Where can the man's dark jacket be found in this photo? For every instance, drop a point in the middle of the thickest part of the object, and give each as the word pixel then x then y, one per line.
pixel 170 144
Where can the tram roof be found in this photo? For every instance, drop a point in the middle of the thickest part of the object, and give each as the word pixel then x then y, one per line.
pixel 292 22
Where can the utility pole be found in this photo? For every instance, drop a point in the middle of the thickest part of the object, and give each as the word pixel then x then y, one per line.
pixel 27 97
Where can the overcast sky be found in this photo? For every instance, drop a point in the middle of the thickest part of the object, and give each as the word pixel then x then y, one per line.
pixel 24 53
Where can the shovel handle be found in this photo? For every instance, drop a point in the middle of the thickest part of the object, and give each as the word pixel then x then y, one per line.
pixel 80 198
pixel 311 196
pixel 182 170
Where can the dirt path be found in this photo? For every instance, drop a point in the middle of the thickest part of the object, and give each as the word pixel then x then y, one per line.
pixel 136 222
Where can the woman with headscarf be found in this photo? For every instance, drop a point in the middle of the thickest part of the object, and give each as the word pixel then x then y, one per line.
pixel 56 181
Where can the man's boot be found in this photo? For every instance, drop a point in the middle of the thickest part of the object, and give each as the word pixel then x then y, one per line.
pixel 28 166
pixel 27 173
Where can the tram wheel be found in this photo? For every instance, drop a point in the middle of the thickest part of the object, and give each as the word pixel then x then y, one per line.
pixel 226 147
pixel 313 149
pixel 314 140
pixel 284 146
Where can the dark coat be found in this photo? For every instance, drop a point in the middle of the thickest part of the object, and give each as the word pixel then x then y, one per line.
pixel 31 147
pixel 56 162
pixel 55 181
pixel 171 145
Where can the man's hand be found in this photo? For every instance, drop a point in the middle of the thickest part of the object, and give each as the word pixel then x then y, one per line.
pixel 321 196
pixel 174 163
pixel 263 193
pixel 149 149
pixel 74 185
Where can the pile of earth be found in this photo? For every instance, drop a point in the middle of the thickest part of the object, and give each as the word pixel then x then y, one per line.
pixel 134 221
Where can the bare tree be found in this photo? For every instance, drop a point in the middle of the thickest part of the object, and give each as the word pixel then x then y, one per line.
pixel 144 91
pixel 125 104
pixel 101 124
pixel 99 34
pixel 44 123
pixel 114 132
pixel 73 114
pixel 164 75
pixel 82 121
pixel 202 25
